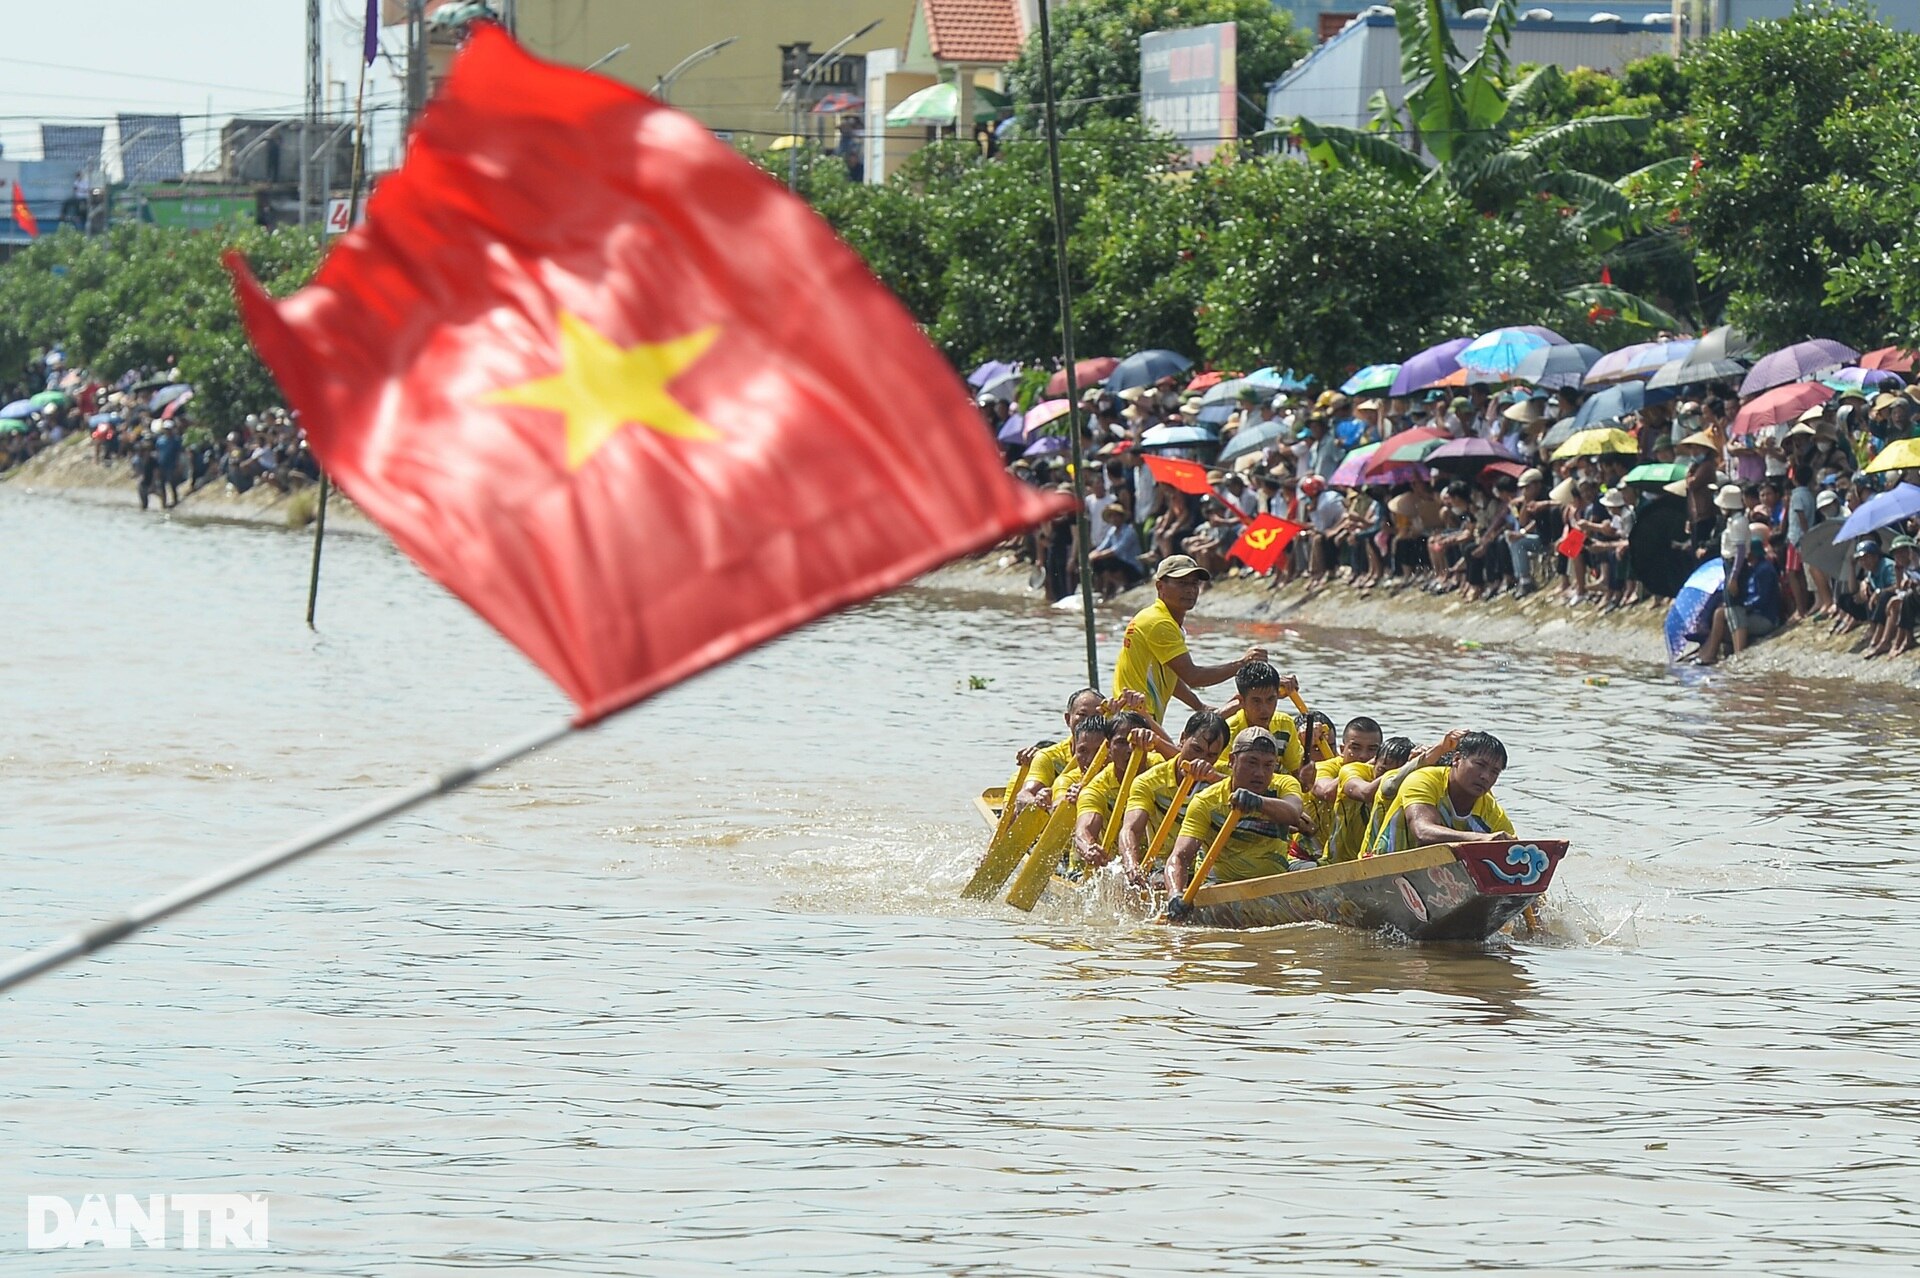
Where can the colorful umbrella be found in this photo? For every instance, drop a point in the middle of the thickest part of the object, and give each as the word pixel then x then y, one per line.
pixel 835 103
pixel 167 394
pixel 1502 349
pixel 1781 404
pixel 1894 359
pixel 1469 455
pixel 1045 411
pixel 1687 616
pixel 936 105
pixel 1429 366
pixel 1903 502
pixel 1373 377
pixel 50 399
pixel 1637 362
pixel 1349 475
pixel 1901 454
pixel 1272 379
pixel 1555 367
pixel 1086 372
pixel 1797 363
pixel 166 414
pixel 1144 368
pixel 1597 443
pixel 1860 377
pixel 1047 446
pixel 19 408
pixel 1407 446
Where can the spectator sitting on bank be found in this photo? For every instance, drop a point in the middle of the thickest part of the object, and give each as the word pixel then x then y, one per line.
pixel 1115 561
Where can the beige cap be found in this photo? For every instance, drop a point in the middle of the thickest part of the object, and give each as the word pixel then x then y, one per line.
pixel 1730 498
pixel 1533 475
pixel 1255 739
pixel 1813 414
pixel 1367 405
pixel 1614 498
pixel 1827 498
pixel 1527 410
pixel 1176 567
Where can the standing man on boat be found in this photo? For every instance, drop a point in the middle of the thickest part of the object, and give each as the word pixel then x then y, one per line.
pixel 1449 804
pixel 1154 660
pixel 1272 807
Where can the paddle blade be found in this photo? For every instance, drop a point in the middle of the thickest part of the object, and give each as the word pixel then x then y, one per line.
pixel 1004 854
pixel 1031 883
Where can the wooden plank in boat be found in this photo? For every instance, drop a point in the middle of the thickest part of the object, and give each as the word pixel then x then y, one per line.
pixel 1325 876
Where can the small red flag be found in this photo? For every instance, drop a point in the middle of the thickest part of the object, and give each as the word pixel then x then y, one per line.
pixel 23 216
pixel 1188 477
pixel 1264 541
pixel 1572 543
pixel 621 392
pixel 1606 275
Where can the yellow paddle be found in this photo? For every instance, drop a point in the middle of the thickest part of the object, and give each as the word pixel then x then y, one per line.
pixel 1111 834
pixel 1002 852
pixel 1037 870
pixel 1182 904
pixel 1171 819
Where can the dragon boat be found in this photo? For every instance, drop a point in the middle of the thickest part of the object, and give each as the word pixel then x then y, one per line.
pixel 1444 892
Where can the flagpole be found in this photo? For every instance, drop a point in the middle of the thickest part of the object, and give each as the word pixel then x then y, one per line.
pixel 353 215
pixel 1081 530
pixel 101 935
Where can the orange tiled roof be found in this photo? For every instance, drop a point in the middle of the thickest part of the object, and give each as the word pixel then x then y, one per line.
pixel 973 30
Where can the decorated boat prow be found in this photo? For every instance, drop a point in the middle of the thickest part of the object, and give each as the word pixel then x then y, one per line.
pixel 1445 892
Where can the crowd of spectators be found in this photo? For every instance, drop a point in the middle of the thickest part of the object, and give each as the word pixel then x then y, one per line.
pixel 1511 518
pixel 143 424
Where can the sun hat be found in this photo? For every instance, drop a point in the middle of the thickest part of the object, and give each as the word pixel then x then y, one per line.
pixel 1902 542
pixel 1527 410
pixel 1827 498
pixel 1533 475
pixel 1730 498
pixel 1367 405
pixel 1678 488
pixel 1177 567
pixel 1260 739
pixel 1885 399
pixel 1614 498
pixel 1562 491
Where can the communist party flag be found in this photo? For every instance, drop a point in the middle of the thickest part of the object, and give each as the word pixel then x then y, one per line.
pixel 619 391
pixel 23 216
pixel 1188 477
pixel 1264 541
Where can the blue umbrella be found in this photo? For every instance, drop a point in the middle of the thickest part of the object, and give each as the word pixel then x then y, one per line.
pixel 1144 368
pixel 1903 502
pixel 1214 414
pixel 104 419
pixel 1556 367
pixel 1637 362
pixel 1228 392
pixel 1374 377
pixel 988 373
pixel 1177 437
pixel 167 394
pixel 1617 401
pixel 1014 431
pixel 1047 446
pixel 1861 379
pixel 19 409
pixel 1251 439
pixel 1272 379
pixel 1502 349
pixel 1688 615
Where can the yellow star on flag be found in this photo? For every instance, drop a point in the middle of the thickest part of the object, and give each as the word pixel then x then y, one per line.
pixel 601 388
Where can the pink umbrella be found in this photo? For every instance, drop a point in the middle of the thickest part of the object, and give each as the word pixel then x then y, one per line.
pixel 1781 404
pixel 1045 411
pixel 1086 372
pixel 1349 474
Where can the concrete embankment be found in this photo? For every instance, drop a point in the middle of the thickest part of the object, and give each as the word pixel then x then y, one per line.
pixel 1540 623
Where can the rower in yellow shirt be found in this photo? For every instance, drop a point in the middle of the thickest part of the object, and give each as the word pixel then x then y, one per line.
pixel 1100 793
pixel 1154 660
pixel 1204 737
pixel 1260 687
pixel 1342 823
pixel 1272 808
pixel 1453 803
pixel 1046 762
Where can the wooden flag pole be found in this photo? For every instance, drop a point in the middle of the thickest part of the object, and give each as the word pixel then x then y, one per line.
pixel 98 937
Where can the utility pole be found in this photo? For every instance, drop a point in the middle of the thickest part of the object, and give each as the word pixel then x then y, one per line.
pixel 316 88
pixel 416 61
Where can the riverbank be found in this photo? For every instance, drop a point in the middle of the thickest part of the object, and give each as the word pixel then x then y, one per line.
pixel 1539 623
pixel 68 471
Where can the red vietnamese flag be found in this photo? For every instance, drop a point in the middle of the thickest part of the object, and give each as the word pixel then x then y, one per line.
pixel 1188 477
pixel 23 216
pixel 620 391
pixel 1264 541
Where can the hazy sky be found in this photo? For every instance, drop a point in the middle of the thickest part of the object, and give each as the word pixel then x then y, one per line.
pixel 84 61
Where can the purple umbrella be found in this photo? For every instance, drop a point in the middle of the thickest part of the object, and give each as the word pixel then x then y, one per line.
pixel 1890 507
pixel 988 373
pixel 1800 362
pixel 1429 366
pixel 1047 446
pixel 1468 455
pixel 1015 430
pixel 1641 360
pixel 1862 378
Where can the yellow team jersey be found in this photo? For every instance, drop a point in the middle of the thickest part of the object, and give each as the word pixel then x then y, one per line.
pixel 1348 838
pixel 1153 640
pixel 1153 791
pixel 1098 795
pixel 1429 785
pixel 1258 846
pixel 1293 751
pixel 1050 762
pixel 1321 810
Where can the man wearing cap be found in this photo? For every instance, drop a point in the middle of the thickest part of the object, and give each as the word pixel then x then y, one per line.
pixel 1536 521
pixel 1271 806
pixel 1154 660
pixel 1872 575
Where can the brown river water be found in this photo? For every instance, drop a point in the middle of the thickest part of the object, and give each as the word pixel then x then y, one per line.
pixel 692 993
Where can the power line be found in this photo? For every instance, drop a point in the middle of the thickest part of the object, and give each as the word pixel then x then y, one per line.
pixel 117 74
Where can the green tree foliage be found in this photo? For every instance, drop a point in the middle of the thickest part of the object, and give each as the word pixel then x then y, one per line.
pixel 1096 55
pixel 141 295
pixel 1806 130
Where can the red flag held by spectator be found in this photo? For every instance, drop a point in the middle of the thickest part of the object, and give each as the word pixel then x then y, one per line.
pixel 619 391
pixel 1572 543
pixel 1264 541
pixel 1188 477
pixel 23 216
